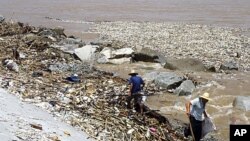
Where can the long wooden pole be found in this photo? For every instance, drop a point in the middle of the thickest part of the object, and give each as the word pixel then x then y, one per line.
pixel 191 129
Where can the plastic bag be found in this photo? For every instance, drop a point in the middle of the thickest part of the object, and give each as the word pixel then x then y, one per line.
pixel 207 126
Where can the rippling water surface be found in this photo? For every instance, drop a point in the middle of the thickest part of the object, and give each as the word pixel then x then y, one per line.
pixel 223 89
pixel 234 13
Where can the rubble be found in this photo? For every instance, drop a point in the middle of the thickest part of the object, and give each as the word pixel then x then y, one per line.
pixel 36 126
pixel 11 65
pixel 96 105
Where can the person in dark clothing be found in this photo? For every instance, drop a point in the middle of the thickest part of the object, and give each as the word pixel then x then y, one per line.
pixel 136 85
pixel 195 110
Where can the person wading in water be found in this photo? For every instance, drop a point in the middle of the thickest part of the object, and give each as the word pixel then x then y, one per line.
pixel 195 109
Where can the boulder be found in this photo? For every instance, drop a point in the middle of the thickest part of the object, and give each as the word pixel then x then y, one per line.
pixel 120 60
pixel 119 56
pixel 1 18
pixel 123 52
pixel 149 55
pixel 107 52
pixel 102 59
pixel 242 102
pixel 186 88
pixel 190 64
pixel 85 53
pixel 166 80
pixel 104 55
pixel 231 65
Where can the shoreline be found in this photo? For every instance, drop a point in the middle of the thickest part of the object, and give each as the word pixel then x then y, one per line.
pixel 36 73
pixel 115 34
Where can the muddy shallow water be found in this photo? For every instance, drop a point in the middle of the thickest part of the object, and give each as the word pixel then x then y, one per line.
pixel 73 13
pixel 223 88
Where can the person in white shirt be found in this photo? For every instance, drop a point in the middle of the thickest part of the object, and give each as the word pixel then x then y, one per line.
pixel 195 110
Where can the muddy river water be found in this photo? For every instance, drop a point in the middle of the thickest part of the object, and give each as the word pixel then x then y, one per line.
pixel 223 89
pixel 76 16
pixel 74 13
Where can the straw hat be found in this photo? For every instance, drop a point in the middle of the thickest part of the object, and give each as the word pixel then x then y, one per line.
pixel 132 72
pixel 205 96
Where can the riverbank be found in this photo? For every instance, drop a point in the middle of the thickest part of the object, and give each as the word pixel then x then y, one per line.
pixel 37 71
pixel 43 69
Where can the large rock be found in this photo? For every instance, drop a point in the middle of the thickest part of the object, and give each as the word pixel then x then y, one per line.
pixel 104 55
pixel 149 55
pixel 86 53
pixel 120 60
pixel 186 88
pixel 185 64
pixel 1 18
pixel 123 52
pixel 229 66
pixel 242 102
pixel 166 80
pixel 119 56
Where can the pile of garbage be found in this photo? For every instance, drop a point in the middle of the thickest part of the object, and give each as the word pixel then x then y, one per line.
pixel 87 98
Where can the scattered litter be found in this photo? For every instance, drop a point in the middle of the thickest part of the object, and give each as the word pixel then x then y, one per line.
pixel 36 126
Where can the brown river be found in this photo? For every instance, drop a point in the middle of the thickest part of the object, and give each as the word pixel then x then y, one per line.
pixel 76 16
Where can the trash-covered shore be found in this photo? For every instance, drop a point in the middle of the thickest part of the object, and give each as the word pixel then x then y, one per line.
pixel 214 46
pixel 86 98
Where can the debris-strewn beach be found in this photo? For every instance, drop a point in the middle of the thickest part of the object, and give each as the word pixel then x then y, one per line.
pixel 58 73
pixel 36 71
